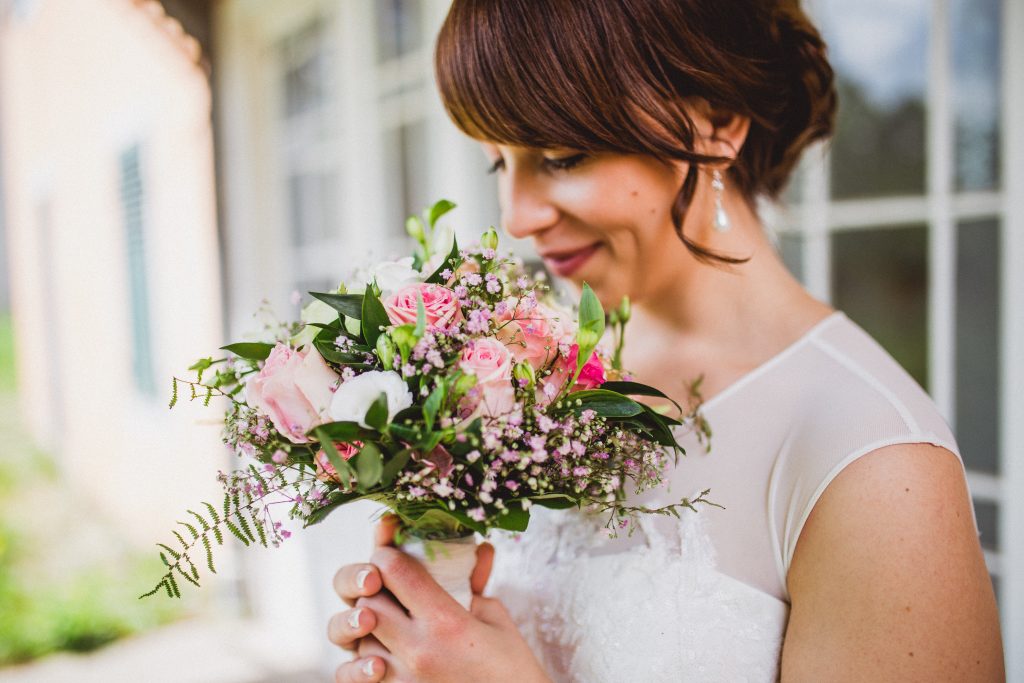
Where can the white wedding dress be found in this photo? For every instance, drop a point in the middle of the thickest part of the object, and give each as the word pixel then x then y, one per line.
pixel 704 598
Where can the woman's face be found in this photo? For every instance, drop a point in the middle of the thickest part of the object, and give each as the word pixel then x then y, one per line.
pixel 601 218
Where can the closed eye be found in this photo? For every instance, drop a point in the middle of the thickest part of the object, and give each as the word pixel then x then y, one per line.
pixel 565 163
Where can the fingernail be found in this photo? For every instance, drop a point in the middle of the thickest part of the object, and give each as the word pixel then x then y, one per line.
pixel 353 619
pixel 368 668
pixel 361 578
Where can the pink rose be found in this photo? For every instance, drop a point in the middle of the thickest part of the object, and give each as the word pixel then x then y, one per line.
pixel 294 389
pixel 325 470
pixel 439 304
pixel 591 376
pixel 533 336
pixel 490 362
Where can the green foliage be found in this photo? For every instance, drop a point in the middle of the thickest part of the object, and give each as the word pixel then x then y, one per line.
pixel 250 350
pixel 373 319
pixel 369 466
pixel 239 518
pixel 350 305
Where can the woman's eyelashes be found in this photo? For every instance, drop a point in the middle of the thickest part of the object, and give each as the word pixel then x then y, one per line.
pixel 565 163
pixel 554 164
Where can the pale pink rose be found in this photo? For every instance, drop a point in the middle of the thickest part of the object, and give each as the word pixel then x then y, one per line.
pixel 533 336
pixel 488 360
pixel 439 304
pixel 294 389
pixel 325 470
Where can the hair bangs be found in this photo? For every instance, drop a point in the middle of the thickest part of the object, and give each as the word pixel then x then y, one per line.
pixel 505 77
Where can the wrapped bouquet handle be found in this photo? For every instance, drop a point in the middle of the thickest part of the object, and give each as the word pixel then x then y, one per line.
pixel 450 562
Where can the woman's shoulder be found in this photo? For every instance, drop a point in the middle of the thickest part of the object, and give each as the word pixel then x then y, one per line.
pixel 853 399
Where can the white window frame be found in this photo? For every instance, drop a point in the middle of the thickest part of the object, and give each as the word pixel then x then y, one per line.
pixel 815 218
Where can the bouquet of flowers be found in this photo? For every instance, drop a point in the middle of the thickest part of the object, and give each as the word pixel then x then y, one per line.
pixel 450 388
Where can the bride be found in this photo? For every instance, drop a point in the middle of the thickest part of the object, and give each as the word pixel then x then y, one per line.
pixel 631 141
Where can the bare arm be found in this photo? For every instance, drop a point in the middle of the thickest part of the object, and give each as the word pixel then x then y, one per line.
pixel 888 582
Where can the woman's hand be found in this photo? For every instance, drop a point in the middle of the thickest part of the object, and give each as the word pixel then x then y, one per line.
pixel 406 628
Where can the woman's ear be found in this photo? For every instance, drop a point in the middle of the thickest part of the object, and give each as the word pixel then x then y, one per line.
pixel 720 132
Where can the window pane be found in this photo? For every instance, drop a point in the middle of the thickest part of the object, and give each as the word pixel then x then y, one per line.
pixel 880 279
pixel 879 50
pixel 988 524
pixel 791 249
pixel 305 59
pixel 977 344
pixel 976 74
pixel 312 199
pixel 398 28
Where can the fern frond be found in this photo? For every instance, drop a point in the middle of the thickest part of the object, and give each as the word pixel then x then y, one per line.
pixel 180 538
pixel 174 392
pixel 245 526
pixel 236 532
pixel 173 553
pixel 173 585
pixel 191 529
pixel 209 554
pixel 213 513
pixel 202 520
pixel 259 529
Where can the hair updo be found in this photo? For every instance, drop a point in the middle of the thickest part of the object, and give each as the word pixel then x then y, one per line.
pixel 613 76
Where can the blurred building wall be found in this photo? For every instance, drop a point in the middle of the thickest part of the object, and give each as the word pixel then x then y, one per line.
pixel 109 188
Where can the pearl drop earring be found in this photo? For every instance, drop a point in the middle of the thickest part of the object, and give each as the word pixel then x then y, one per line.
pixel 721 218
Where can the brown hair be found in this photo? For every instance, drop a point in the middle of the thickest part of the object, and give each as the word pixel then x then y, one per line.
pixel 611 75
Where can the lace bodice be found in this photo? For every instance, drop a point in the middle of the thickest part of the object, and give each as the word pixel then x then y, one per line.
pixel 704 598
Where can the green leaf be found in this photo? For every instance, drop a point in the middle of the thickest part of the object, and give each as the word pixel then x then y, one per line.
pixel 604 403
pixel 350 305
pixel 439 209
pixel 330 352
pixel 555 501
pixel 451 261
pixel 421 316
pixel 637 389
pixel 403 432
pixel 517 519
pixel 591 326
pixel 377 415
pixel 250 350
pixel 433 405
pixel 394 465
pixel 369 466
pixel 373 318
pixel 346 432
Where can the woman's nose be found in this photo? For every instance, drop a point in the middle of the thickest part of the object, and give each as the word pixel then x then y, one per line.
pixel 526 208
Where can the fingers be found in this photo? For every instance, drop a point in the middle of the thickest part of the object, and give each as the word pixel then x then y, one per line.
pixel 346 628
pixel 482 570
pixel 385 531
pixel 410 583
pixel 354 581
pixel 362 670
pixel 490 611
pixel 392 626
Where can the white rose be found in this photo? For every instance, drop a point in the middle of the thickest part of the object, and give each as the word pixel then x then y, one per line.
pixel 315 311
pixel 389 275
pixel 354 397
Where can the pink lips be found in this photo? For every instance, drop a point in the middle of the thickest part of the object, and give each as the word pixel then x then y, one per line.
pixel 565 263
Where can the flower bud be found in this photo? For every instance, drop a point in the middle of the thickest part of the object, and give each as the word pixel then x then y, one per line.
pixel 386 351
pixel 489 239
pixel 624 310
pixel 524 371
pixel 587 339
pixel 414 226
